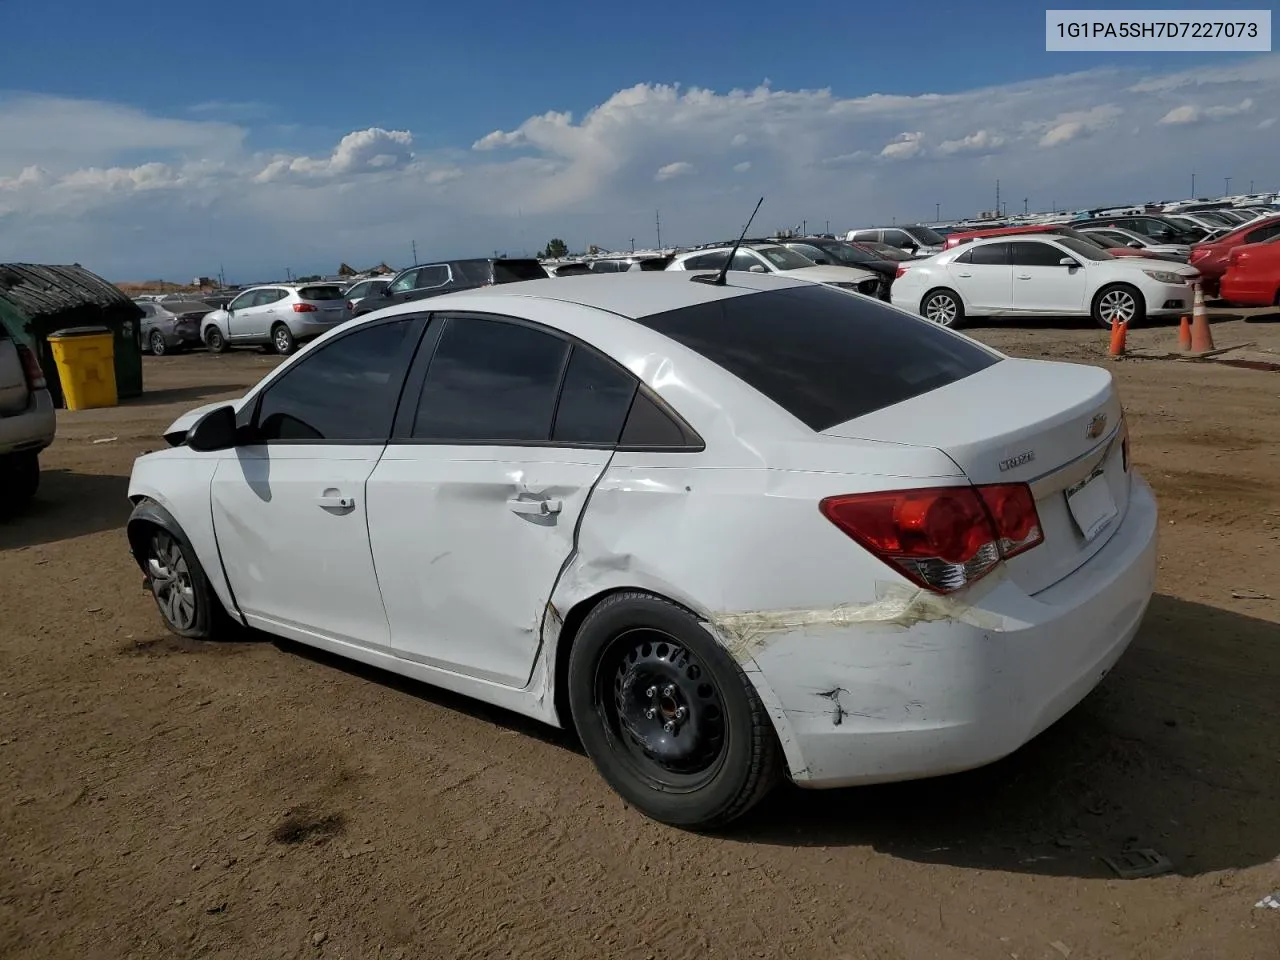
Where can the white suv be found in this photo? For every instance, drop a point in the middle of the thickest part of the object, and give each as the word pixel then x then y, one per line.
pixel 27 421
pixel 276 314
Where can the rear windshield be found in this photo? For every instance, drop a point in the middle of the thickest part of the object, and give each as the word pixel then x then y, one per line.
pixel 321 293
pixel 822 355
pixel 512 271
pixel 926 236
pixel 1090 251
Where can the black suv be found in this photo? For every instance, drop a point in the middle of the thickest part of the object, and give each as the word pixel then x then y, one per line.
pixel 1154 228
pixel 447 276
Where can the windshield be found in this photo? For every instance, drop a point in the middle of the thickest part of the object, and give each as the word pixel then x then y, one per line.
pixel 926 236
pixel 813 253
pixel 884 250
pixel 1090 251
pixel 784 259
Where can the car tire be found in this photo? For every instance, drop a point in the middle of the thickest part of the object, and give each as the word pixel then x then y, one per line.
pixel 667 716
pixel 19 480
pixel 282 339
pixel 156 344
pixel 943 307
pixel 1118 300
pixel 215 341
pixel 187 602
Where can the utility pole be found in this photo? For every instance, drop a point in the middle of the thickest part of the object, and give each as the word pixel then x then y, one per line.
pixel 288 275
pixel 1227 191
pixel 222 276
pixel 414 245
pixel 633 244
pixel 1024 205
pixel 828 226
pixel 937 213
pixel 1251 186
pixel 997 198
pixel 657 221
pixel 1193 184
pixel 804 228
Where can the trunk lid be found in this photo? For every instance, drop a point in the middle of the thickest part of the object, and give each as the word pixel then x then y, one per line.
pixel 1053 425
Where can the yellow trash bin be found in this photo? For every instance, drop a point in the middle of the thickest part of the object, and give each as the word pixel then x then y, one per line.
pixel 86 366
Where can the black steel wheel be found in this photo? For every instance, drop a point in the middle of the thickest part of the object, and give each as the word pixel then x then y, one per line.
pixel 668 717
pixel 215 341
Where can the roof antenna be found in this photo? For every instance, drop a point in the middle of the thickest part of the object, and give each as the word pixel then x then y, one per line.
pixel 719 279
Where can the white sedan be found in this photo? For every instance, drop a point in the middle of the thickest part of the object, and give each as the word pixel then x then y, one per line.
pixel 775 258
pixel 847 546
pixel 1041 275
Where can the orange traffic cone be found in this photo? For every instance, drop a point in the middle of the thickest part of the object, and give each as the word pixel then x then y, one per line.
pixel 1118 330
pixel 1184 334
pixel 1201 336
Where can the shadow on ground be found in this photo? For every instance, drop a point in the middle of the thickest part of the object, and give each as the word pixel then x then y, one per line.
pixel 69 504
pixel 1175 752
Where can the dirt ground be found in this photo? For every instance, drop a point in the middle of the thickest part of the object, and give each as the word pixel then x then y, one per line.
pixel 167 799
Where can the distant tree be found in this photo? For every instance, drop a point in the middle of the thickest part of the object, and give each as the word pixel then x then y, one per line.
pixel 555 248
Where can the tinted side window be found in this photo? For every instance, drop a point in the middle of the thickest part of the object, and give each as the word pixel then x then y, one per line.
pixel 346 390
pixel 436 276
pixel 1263 233
pixel 708 261
pixel 594 400
pixel 1028 253
pixel 490 380
pixel 834 358
pixel 745 260
pixel 992 254
pixel 650 426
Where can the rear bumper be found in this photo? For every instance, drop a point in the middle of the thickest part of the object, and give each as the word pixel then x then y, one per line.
pixel 904 699
pixel 32 431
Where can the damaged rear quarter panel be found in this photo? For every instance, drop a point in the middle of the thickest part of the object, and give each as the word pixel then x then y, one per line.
pixel 744 548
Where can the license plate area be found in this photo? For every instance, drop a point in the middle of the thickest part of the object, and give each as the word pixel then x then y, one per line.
pixel 1091 504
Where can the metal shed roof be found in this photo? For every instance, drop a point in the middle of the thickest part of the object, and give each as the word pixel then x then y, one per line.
pixel 37 291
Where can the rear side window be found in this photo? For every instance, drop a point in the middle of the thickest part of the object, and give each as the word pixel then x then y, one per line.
pixel 991 254
pixel 821 355
pixel 321 293
pixel 491 381
pixel 345 390
pixel 1263 233
pixel 594 400
pixel 511 271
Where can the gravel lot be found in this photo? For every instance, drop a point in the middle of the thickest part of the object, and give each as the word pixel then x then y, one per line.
pixel 167 799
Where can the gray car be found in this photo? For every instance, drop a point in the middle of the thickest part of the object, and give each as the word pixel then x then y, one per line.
pixel 373 287
pixel 171 326
pixel 279 315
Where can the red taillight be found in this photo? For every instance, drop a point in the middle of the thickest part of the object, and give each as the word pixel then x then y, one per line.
pixel 902 271
pixel 31 368
pixel 942 538
pixel 304 308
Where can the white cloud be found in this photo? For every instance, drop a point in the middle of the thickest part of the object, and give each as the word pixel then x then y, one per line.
pixel 981 141
pixel 1193 113
pixel 77 176
pixel 902 147
pixel 680 168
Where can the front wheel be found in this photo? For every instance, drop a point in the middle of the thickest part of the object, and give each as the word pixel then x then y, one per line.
pixel 1118 303
pixel 668 717
pixel 282 339
pixel 943 307
pixel 215 341
pixel 157 344
pixel 187 602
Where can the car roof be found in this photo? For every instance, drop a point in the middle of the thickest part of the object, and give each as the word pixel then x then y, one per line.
pixel 632 294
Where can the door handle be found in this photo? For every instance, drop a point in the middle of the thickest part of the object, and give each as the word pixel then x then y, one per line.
pixel 331 500
pixel 535 508
pixel 1024 276
pixel 964 274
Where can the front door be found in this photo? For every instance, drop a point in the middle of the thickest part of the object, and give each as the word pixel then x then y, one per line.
pixel 473 509
pixel 1042 284
pixel 290 508
pixel 983 276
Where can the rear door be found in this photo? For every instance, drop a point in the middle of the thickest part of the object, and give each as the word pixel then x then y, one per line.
pixel 474 506
pixel 984 277
pixel 1041 284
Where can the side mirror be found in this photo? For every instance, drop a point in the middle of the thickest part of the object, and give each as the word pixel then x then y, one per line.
pixel 757 268
pixel 1135 244
pixel 822 262
pixel 1068 262
pixel 216 430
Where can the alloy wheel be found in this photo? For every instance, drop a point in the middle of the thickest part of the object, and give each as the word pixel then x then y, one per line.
pixel 1117 306
pixel 941 309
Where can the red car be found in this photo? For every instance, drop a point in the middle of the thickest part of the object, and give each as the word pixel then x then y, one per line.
pixel 1253 275
pixel 1058 229
pixel 1211 258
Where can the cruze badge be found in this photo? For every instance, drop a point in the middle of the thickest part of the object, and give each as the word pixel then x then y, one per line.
pixel 1017 461
pixel 1096 426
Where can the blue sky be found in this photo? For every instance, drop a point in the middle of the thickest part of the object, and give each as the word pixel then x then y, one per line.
pixel 224 124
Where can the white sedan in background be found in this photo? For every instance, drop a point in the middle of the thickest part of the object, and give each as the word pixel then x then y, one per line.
pixel 728 532
pixel 1041 275
pixel 754 257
